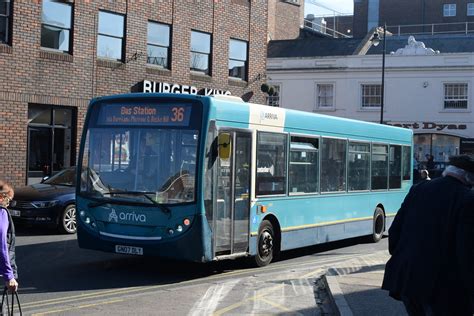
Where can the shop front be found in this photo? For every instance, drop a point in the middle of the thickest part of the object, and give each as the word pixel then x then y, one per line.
pixel 435 142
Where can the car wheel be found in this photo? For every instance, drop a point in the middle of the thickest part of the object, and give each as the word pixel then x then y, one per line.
pixel 67 221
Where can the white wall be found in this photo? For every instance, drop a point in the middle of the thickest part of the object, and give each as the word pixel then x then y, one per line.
pixel 414 91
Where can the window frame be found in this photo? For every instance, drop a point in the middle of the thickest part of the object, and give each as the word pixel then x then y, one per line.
pixel 123 38
pixel 209 55
pixel 390 145
pixel 246 61
pixel 470 9
pixel 286 164
pixel 364 105
pixel 404 165
pixel 455 98
pixel 70 29
pixel 333 96
pixel 8 25
pixel 168 48
pixel 449 10
pixel 321 163
pixel 314 137
pixel 370 162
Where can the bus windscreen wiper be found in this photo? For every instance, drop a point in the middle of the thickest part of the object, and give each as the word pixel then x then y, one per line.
pixel 162 207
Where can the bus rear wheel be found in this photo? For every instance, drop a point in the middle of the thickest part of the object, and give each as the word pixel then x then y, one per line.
pixel 266 244
pixel 378 225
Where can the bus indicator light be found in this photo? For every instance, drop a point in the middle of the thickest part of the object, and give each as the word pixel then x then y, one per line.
pixel 186 222
pixel 263 208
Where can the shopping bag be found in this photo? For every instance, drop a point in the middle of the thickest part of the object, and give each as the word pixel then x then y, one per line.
pixel 7 307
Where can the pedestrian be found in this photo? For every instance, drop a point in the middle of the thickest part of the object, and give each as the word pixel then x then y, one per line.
pixel 427 243
pixel 424 175
pixel 430 164
pixel 8 267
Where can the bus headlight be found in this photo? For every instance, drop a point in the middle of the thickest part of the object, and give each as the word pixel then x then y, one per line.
pixel 179 228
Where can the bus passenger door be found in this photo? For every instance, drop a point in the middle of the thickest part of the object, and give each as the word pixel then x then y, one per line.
pixel 233 201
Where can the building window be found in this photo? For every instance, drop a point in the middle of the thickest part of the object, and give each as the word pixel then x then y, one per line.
pixel 371 95
pixel 238 59
pixel 51 140
pixel 325 93
pixel 5 20
pixel 455 95
pixel 56 25
pixel 110 40
pixel 274 99
pixel 200 52
pixel 158 44
pixel 470 9
pixel 449 9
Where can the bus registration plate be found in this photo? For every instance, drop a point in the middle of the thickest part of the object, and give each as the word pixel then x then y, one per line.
pixel 129 250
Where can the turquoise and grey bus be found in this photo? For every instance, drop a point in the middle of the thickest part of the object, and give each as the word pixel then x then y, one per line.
pixel 204 178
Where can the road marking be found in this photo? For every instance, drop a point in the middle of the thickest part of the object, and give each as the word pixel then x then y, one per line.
pixel 280 307
pixel 76 307
pixel 99 294
pixel 262 293
pixel 209 301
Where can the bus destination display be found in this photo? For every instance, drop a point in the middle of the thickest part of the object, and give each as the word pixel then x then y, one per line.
pixel 145 114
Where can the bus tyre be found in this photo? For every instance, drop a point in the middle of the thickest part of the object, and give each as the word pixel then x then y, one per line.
pixel 67 220
pixel 378 226
pixel 265 244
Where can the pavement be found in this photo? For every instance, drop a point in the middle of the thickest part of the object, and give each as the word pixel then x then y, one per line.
pixel 354 287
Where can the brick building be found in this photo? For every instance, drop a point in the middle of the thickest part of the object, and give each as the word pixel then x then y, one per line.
pixel 372 13
pixel 285 18
pixel 57 55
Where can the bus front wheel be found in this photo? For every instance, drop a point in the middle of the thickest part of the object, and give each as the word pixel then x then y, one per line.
pixel 378 225
pixel 266 244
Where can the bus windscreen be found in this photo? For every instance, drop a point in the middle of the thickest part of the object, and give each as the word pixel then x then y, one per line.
pixel 138 151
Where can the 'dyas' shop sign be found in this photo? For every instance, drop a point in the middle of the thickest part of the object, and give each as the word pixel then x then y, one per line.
pixel 164 87
pixel 431 126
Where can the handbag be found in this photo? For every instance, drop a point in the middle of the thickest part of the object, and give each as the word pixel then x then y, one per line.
pixel 10 305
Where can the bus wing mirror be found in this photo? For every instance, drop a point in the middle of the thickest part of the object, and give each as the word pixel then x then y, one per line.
pixel 225 146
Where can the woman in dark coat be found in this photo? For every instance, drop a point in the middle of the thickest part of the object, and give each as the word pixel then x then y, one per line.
pixel 427 241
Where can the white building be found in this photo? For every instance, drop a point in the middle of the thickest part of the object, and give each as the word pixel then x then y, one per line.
pixel 428 91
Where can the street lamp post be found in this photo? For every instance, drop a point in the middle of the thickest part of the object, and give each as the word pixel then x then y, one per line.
pixel 376 40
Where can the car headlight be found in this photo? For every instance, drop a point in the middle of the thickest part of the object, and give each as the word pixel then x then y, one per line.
pixel 44 204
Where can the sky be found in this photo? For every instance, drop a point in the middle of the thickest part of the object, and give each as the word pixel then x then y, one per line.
pixel 342 6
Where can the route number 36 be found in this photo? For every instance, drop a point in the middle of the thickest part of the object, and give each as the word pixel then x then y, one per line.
pixel 178 114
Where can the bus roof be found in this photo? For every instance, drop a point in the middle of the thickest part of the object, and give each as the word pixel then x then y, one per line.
pixel 234 110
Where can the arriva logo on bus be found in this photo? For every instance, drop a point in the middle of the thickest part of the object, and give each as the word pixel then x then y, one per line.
pixel 164 87
pixel 130 216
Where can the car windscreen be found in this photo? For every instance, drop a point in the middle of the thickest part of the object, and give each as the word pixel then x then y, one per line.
pixel 65 177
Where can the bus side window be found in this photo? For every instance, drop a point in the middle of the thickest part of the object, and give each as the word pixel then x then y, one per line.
pixel 271 163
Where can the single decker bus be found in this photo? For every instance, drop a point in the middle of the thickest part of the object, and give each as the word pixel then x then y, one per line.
pixel 205 178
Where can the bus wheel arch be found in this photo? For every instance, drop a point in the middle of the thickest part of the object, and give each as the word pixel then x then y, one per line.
pixel 268 241
pixel 378 223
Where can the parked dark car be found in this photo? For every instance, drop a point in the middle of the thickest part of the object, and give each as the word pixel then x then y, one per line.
pixel 51 202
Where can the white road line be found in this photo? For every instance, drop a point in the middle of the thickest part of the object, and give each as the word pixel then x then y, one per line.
pixel 210 300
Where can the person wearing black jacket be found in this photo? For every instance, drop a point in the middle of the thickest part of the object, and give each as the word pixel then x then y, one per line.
pixel 430 244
